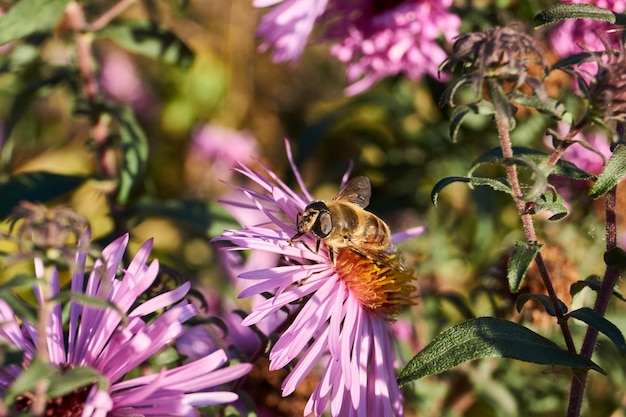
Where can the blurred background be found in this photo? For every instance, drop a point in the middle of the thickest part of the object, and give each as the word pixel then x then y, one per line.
pixel 217 101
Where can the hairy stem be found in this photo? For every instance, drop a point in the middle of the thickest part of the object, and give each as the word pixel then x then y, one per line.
pixel 527 222
pixel 611 277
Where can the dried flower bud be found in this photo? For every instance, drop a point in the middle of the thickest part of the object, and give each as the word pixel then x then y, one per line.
pixel 500 53
pixel 607 90
pixel 49 233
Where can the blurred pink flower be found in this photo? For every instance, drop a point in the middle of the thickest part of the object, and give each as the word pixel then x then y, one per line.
pixel 223 147
pixel 121 81
pixel 373 39
pixel 332 320
pixel 574 36
pixel 98 338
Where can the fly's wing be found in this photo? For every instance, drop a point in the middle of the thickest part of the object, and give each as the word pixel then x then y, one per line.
pixel 356 191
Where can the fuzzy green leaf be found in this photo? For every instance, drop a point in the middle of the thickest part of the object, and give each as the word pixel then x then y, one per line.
pixel 613 173
pixel 27 380
pixel 75 378
pixel 522 255
pixel 601 324
pixel 496 184
pixel 594 283
pixel 148 39
pixel 616 258
pixel 35 187
pixel 489 337
pixel 561 169
pixel 553 202
pixel 30 16
pixel 543 299
pixel 459 114
pixel 548 105
pixel 566 11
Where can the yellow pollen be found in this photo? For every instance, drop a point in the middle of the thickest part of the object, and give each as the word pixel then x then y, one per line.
pixel 381 286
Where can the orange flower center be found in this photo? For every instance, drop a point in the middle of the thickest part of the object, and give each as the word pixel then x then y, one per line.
pixel 381 286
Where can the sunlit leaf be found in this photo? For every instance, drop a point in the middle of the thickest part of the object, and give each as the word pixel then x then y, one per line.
pixel 564 11
pixel 35 187
pixel 613 173
pixel 601 324
pixel 543 299
pixel 522 255
pixel 29 16
pixel 148 39
pixel 489 337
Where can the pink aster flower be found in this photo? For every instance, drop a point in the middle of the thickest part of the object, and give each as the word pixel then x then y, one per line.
pixel 574 36
pixel 373 39
pixel 340 314
pixel 97 337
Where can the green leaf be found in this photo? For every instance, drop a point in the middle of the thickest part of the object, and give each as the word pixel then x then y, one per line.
pixel 489 337
pixel 19 307
pixel 616 257
pixel 459 114
pixel 496 184
pixel 601 324
pixel 548 105
pixel 75 378
pixel 148 39
pixel 564 11
pixel 30 16
pixel 522 255
pixel 543 299
pixel 594 283
pixel 134 152
pixel 205 217
pixel 502 105
pixel 553 202
pixel 27 381
pixel 613 173
pixel 35 187
pixel 561 169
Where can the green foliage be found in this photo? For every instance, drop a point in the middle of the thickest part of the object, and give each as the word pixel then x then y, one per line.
pixel 522 256
pixel 561 12
pixel 601 324
pixel 488 337
pixel 544 300
pixel 30 16
pixel 134 148
pixel 35 186
pixel 613 173
pixel 149 39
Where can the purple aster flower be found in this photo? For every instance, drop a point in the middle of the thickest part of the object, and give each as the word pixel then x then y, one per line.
pixel 97 337
pixel 339 315
pixel 373 39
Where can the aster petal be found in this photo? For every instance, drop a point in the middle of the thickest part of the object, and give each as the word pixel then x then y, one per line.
pixel 161 301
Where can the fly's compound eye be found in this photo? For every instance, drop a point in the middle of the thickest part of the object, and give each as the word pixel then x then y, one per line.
pixel 323 224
